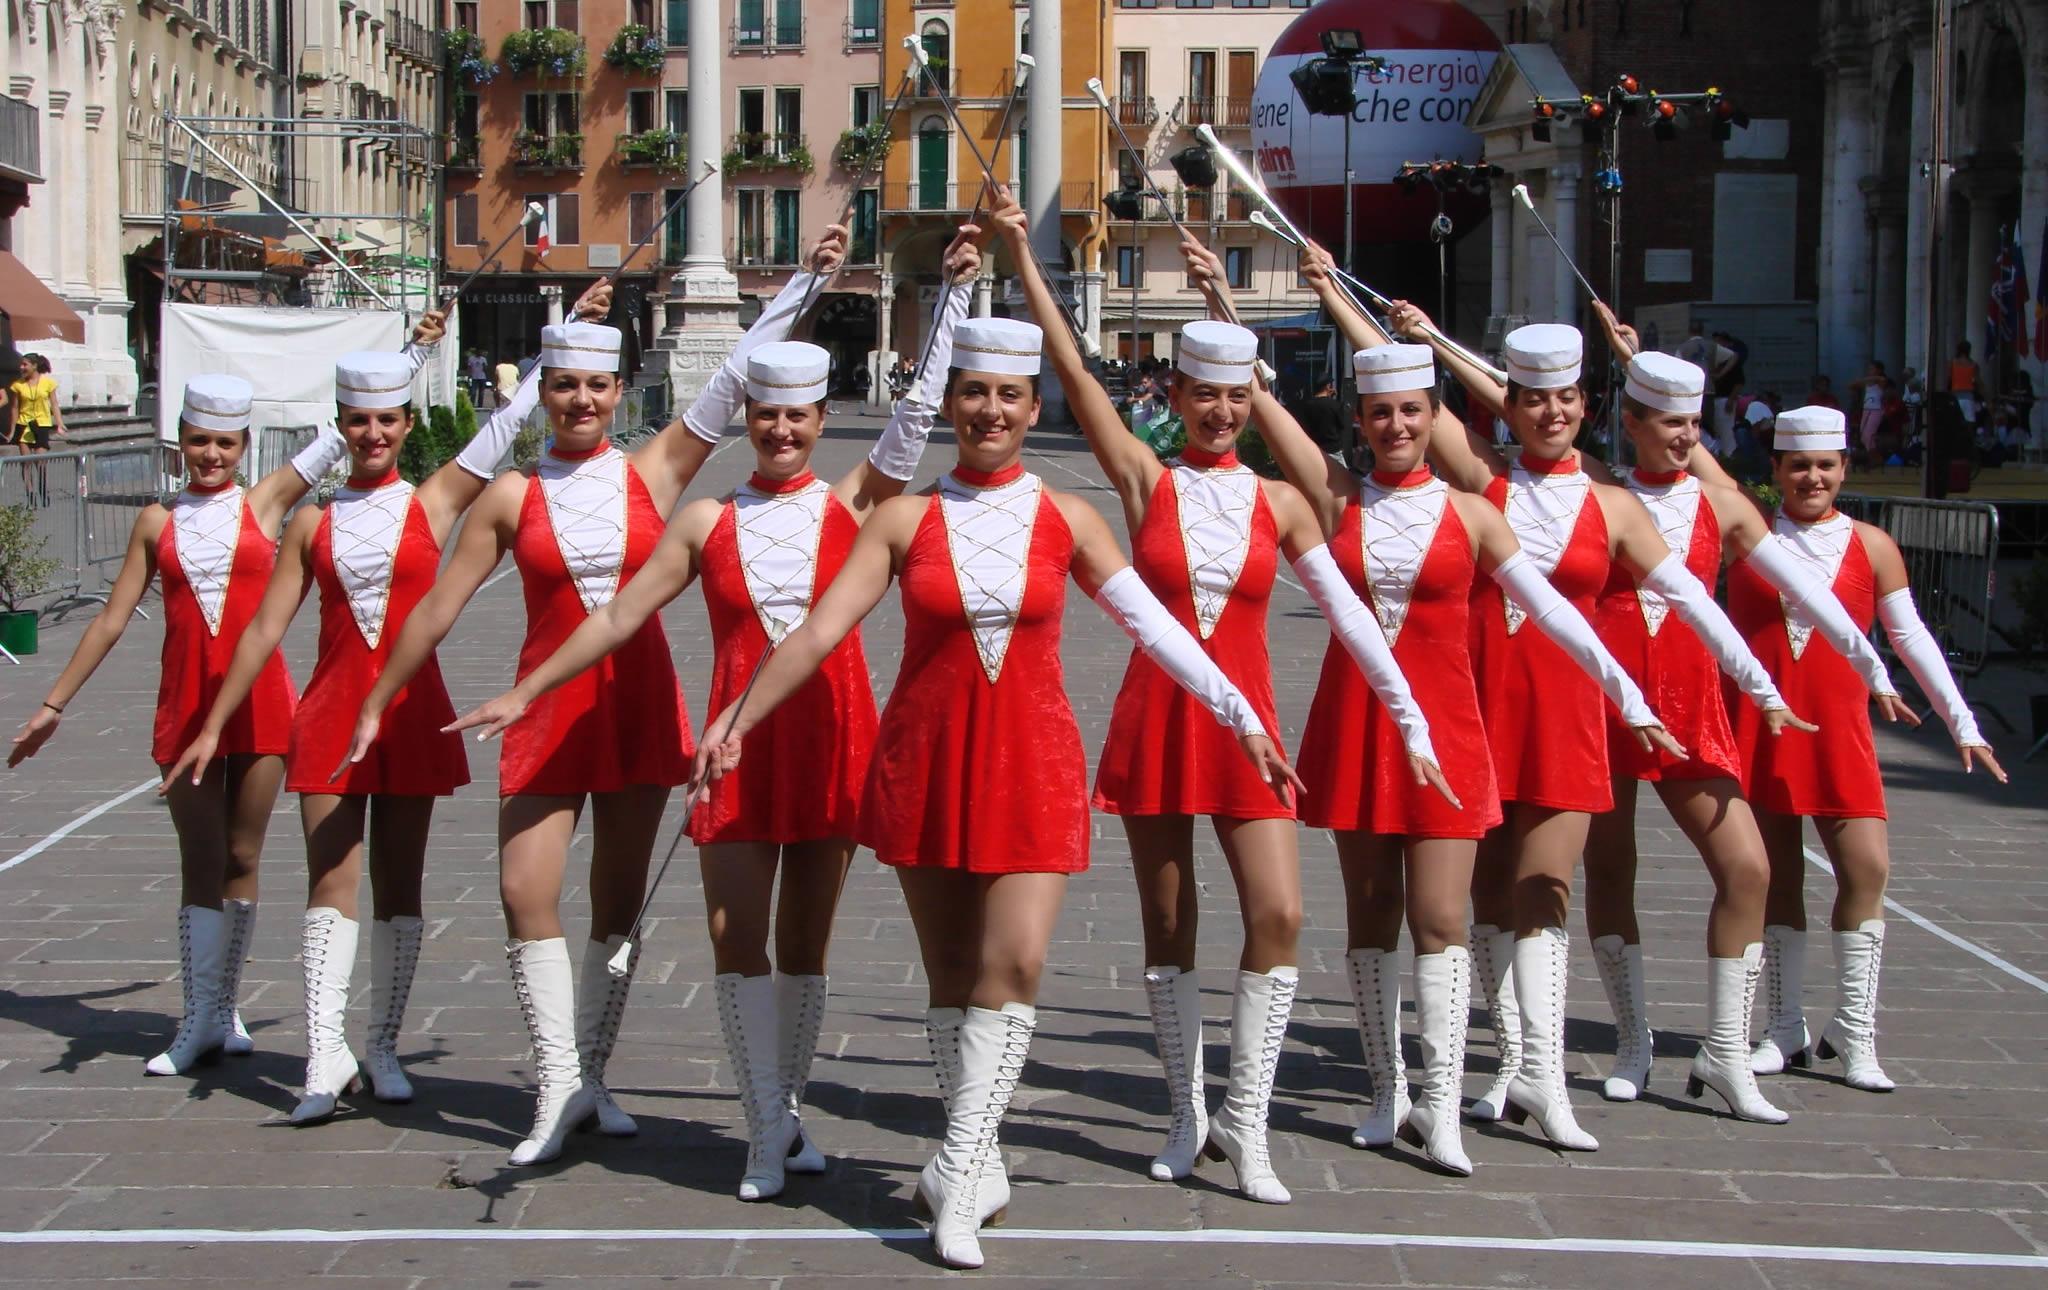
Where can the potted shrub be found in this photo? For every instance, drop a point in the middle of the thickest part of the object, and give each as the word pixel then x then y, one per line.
pixel 660 149
pixel 24 572
pixel 636 49
pixel 466 57
pixel 545 51
pixel 863 146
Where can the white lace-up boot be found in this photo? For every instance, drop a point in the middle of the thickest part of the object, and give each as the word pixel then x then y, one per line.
pixel 241 919
pixel 942 1037
pixel 1541 965
pixel 1443 996
pixel 799 1015
pixel 1175 1000
pixel 746 1013
pixel 1258 1029
pixel 1376 997
pixel 1621 974
pixel 327 951
pixel 547 1000
pixel 600 1006
pixel 394 957
pixel 1722 1063
pixel 1493 962
pixel 1851 1033
pixel 202 949
pixel 993 1049
pixel 1786 1041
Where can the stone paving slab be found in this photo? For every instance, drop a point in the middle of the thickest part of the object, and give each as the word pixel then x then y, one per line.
pixel 1956 1161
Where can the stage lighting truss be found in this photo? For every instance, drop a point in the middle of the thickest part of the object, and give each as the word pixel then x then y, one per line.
pixel 1666 113
pixel 1446 176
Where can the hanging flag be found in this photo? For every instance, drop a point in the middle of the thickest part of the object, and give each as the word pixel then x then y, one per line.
pixel 1999 315
pixel 541 243
pixel 2018 313
pixel 2041 302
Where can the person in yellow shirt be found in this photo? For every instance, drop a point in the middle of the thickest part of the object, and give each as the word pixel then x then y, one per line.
pixel 33 402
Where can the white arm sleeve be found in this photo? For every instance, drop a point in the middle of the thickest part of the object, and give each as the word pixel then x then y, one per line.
pixel 1690 601
pixel 1914 644
pixel 1359 629
pixel 901 445
pixel 713 410
pixel 320 456
pixel 1125 598
pixel 1795 580
pixel 1555 618
pixel 417 355
pixel 481 455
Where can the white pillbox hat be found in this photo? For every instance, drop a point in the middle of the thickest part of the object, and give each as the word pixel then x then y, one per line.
pixel 1666 383
pixel 369 379
pixel 1545 356
pixel 217 401
pixel 788 372
pixel 1219 352
pixel 1005 346
pixel 581 346
pixel 1810 429
pixel 1385 369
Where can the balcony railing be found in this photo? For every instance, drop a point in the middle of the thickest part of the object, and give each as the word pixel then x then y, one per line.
pixel 908 197
pixel 762 252
pixel 763 150
pixel 658 149
pixel 864 36
pixel 465 155
pixel 1222 113
pixel 21 139
pixel 767 33
pixel 547 151
pixel 1135 109
pixel 411 39
pixel 940 77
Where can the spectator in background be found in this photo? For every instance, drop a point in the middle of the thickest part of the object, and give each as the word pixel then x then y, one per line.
pixel 1738 370
pixel 1753 439
pixel 1822 393
pixel 1322 416
pixel 1963 381
pixel 478 376
pixel 1868 392
pixel 33 399
pixel 1697 349
pixel 508 379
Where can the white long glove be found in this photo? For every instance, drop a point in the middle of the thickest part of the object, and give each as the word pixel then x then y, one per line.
pixel 1796 581
pixel 1916 646
pixel 1556 618
pixel 1359 629
pixel 481 455
pixel 901 445
pixel 713 410
pixel 1125 598
pixel 320 456
pixel 418 354
pixel 1697 610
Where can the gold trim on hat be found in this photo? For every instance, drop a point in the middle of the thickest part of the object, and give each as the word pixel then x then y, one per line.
pixel 340 384
pixel 787 385
pixel 1426 365
pixel 1514 362
pixel 990 349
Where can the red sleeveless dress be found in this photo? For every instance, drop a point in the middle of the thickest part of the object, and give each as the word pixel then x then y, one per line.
pixel 196 652
pixel 1679 677
pixel 1832 772
pixel 1546 719
pixel 621 723
pixel 411 757
pixel 1166 754
pixel 972 771
pixel 806 762
pixel 1353 761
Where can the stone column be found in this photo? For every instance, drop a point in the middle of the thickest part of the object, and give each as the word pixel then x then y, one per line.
pixel 885 340
pixel 982 292
pixel 2034 180
pixel 551 292
pixel 1042 117
pixel 1918 186
pixel 1887 269
pixel 1564 205
pixel 1502 230
pixel 702 313
pixel 1845 299
pixel 1977 250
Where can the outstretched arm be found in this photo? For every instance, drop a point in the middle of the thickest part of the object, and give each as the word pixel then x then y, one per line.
pixel 138 566
pixel 1921 653
pixel 1465 458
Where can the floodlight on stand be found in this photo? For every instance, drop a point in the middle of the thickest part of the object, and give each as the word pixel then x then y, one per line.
pixel 1343 43
pixel 1126 204
pixel 1663 118
pixel 1540 129
pixel 1195 165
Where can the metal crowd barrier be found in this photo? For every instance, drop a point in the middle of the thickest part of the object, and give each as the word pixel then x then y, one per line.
pixel 1951 553
pixel 82 504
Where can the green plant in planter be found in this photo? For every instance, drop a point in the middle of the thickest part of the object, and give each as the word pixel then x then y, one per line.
pixel 664 149
pixel 467 60
pixel 636 49
pixel 545 51
pixel 762 150
pixel 530 149
pixel 863 146
pixel 24 573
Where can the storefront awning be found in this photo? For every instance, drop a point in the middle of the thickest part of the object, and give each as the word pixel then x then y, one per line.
pixel 33 310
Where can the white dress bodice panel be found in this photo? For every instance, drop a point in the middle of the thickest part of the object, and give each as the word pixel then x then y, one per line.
pixel 778 537
pixel 1822 546
pixel 988 538
pixel 208 529
pixel 1676 509
pixel 587 509
pixel 1543 510
pixel 1397 527
pixel 364 528
pixel 1215 508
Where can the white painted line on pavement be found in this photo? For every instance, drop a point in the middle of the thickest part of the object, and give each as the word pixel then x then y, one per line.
pixel 54 838
pixel 1211 1236
pixel 1927 924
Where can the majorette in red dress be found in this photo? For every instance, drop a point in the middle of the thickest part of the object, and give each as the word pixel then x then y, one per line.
pixel 586 526
pixel 1208 550
pixel 1407 554
pixel 1545 718
pixel 1678 675
pixel 978 763
pixel 774 550
pixel 374 558
pixel 1833 772
pixel 214 562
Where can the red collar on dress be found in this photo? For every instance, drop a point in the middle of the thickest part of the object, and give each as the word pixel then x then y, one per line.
pixel 579 454
pixel 1202 459
pixel 202 490
pixel 1395 479
pixel 760 483
pixel 1565 465
pixel 390 476
pixel 1659 478
pixel 989 478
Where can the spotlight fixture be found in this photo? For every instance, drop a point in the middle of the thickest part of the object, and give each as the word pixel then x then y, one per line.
pixel 1196 166
pixel 1540 129
pixel 1343 43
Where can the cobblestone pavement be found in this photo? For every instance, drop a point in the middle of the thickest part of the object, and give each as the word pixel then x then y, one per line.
pixel 1955 1162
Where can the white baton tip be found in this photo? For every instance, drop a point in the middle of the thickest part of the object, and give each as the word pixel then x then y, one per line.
pixel 534 211
pixel 1522 195
pixel 620 962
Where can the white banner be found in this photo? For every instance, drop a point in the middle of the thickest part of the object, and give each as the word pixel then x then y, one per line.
pixel 1414 110
pixel 287 354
